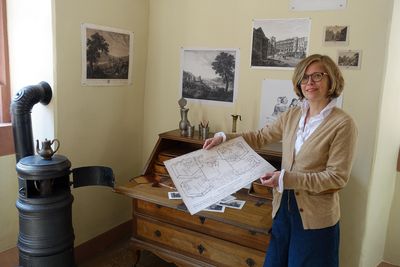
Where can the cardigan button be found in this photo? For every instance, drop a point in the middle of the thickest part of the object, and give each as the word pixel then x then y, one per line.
pixel 301 210
pixel 297 193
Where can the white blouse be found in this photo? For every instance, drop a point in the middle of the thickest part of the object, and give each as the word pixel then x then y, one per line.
pixel 305 130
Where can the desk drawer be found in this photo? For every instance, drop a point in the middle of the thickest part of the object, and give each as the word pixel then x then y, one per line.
pixel 197 245
pixel 252 239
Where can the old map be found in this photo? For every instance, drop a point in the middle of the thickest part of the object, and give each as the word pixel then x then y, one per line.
pixel 204 177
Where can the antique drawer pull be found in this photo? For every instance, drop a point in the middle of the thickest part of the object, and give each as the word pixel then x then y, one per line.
pixel 260 202
pixel 157 233
pixel 252 232
pixel 201 249
pixel 158 206
pixel 250 262
pixel 202 219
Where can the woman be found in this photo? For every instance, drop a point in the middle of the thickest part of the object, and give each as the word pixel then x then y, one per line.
pixel 318 144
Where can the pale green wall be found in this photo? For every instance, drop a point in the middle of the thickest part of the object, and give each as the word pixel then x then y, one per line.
pixel 111 125
pixel 382 185
pixel 392 246
pixel 95 125
pixel 8 196
pixel 390 140
pixel 227 24
pixel 99 125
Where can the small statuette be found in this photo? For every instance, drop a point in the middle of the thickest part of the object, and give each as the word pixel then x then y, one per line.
pixel 184 122
pixel 182 102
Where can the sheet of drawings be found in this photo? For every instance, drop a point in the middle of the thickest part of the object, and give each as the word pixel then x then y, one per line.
pixel 204 177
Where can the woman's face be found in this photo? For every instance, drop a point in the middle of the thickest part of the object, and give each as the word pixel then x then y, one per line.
pixel 315 91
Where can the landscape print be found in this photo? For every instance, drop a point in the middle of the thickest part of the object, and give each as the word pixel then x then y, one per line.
pixel 349 59
pixel 336 35
pixel 209 74
pixel 279 43
pixel 106 55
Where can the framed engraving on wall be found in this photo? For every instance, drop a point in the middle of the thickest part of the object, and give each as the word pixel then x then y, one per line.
pixel 209 74
pixel 336 35
pixel 106 55
pixel 349 59
pixel 277 96
pixel 279 43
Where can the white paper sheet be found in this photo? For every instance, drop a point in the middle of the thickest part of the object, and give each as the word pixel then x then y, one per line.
pixel 204 177
pixel 302 5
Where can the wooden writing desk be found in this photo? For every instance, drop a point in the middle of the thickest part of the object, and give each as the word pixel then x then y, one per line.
pixel 166 228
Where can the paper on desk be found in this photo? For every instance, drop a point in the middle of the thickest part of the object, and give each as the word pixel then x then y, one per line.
pixel 204 177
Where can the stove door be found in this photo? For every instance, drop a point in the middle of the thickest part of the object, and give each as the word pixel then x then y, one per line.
pixel 93 175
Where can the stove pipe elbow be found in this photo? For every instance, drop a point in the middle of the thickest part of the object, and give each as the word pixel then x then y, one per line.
pixel 21 107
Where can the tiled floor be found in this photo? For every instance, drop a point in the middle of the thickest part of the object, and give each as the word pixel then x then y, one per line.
pixel 120 256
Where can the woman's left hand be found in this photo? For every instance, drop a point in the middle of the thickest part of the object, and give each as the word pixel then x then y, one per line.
pixel 270 179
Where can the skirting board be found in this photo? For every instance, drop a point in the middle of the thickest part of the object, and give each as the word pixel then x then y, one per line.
pixel 84 251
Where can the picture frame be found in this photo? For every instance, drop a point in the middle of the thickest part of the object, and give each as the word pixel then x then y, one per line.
pixel 336 35
pixel 277 96
pixel 313 5
pixel 209 74
pixel 349 59
pixel 107 55
pixel 279 43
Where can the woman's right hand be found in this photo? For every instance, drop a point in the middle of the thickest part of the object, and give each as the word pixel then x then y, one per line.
pixel 211 142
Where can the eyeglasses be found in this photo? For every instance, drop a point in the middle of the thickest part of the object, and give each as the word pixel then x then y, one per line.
pixel 315 77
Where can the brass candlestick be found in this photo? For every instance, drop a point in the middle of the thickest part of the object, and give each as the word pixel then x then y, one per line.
pixel 234 122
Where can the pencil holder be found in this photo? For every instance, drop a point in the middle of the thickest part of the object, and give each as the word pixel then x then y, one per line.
pixel 200 131
pixel 204 132
pixel 190 131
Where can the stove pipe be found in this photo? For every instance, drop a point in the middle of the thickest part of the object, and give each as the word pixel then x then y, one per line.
pixel 21 108
pixel 46 236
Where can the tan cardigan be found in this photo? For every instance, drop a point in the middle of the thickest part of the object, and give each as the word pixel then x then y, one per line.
pixel 321 167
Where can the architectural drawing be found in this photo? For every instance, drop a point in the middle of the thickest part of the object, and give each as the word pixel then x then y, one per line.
pixel 204 177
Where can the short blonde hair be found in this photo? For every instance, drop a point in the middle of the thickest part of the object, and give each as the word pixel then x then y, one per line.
pixel 336 81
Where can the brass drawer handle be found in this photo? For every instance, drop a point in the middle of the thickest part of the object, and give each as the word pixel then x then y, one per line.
pixel 202 219
pixel 250 262
pixel 157 233
pixel 201 249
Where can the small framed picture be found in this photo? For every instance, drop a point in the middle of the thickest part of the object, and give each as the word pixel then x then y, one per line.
pixel 209 75
pixel 215 208
pixel 107 55
pixel 174 195
pixel 234 204
pixel 349 59
pixel 336 35
pixel 279 43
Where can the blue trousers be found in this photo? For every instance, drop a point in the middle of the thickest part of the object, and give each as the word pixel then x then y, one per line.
pixel 292 246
